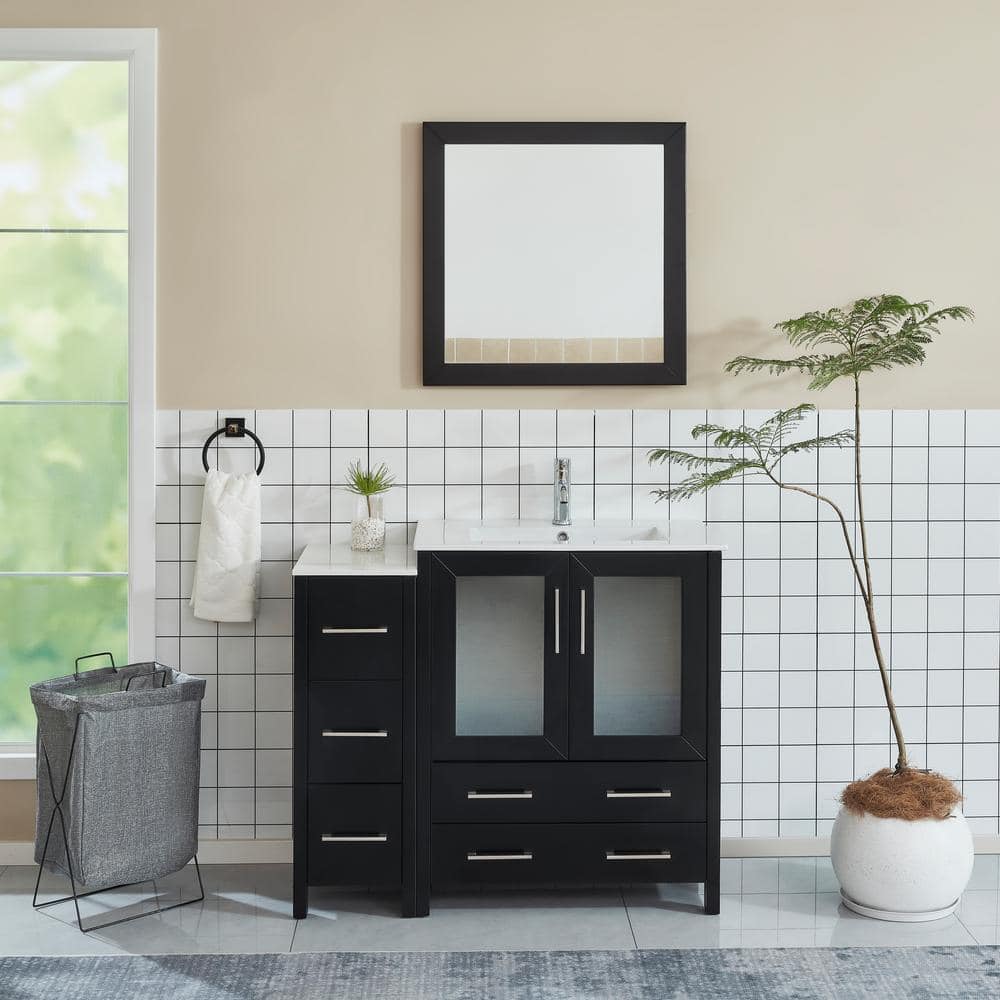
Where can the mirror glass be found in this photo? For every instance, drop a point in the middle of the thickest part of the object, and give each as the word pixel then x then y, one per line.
pixel 553 253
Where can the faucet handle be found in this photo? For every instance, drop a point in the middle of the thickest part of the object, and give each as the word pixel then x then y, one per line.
pixel 562 468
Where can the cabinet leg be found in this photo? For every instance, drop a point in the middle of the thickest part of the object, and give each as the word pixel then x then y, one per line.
pixel 416 902
pixel 300 900
pixel 712 896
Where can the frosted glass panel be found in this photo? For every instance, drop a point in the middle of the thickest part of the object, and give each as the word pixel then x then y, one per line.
pixel 499 655
pixel 637 656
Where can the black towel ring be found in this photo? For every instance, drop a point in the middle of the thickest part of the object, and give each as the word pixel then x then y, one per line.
pixel 236 427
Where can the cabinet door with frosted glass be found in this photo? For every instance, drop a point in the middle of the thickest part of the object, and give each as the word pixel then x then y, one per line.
pixel 497 647
pixel 638 656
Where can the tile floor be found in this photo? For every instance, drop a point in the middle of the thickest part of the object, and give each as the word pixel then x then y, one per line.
pixel 787 902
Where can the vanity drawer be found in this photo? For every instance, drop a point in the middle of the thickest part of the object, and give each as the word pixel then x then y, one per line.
pixel 355 628
pixel 354 835
pixel 542 852
pixel 355 731
pixel 575 792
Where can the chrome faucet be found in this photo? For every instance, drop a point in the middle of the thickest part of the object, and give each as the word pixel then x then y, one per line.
pixel 560 493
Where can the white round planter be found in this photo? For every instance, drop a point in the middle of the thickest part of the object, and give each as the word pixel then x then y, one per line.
pixel 897 869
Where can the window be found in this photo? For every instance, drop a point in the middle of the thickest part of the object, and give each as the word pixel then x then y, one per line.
pixel 76 373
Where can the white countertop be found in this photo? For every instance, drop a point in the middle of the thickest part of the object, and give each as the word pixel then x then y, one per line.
pixel 525 535
pixel 318 559
pixel 605 535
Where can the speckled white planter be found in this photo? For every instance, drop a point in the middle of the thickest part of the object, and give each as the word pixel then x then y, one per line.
pixel 368 534
pixel 897 869
pixel 368 525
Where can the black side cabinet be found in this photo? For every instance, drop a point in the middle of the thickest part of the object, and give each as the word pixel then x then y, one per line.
pixel 355 733
pixel 572 701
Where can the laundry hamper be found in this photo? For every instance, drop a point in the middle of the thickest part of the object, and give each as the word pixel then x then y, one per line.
pixel 118 776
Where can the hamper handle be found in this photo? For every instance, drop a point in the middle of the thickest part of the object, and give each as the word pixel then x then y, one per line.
pixel 164 673
pixel 90 656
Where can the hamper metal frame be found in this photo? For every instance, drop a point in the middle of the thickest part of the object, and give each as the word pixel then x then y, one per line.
pixel 58 811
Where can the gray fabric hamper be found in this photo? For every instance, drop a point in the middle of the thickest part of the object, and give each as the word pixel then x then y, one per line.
pixel 131 794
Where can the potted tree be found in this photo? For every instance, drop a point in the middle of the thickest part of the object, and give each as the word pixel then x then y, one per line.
pixel 900 846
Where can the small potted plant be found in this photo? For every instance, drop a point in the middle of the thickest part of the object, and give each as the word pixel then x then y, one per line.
pixel 368 524
pixel 900 846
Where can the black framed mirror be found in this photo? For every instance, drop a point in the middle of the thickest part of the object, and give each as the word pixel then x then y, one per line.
pixel 554 253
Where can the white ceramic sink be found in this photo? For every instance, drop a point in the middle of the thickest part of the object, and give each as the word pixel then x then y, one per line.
pixel 608 535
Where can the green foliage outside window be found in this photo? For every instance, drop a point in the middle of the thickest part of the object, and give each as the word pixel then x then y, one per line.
pixel 63 341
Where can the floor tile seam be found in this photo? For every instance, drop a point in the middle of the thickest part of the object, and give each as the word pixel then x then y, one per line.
pixel 628 917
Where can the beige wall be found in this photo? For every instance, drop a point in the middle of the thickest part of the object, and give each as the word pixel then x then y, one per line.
pixel 835 148
pixel 17 810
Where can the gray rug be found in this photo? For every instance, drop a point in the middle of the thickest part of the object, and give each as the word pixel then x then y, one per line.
pixel 962 973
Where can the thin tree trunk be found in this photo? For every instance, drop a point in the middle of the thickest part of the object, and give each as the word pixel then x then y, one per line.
pixel 843 527
pixel 869 597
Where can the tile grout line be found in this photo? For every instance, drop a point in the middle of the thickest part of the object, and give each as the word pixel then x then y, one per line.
pixel 777 780
pixel 628 918
pixel 927 605
pixel 965 485
pixel 253 681
pixel 967 928
pixel 218 714
pixel 816 742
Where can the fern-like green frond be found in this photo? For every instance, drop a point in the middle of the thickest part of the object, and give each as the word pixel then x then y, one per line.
pixel 749 451
pixel 773 366
pixel 686 459
pixel 704 481
pixel 368 482
pixel 872 334
pixel 839 440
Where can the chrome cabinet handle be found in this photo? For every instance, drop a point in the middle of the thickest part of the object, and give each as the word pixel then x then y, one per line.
pixel 360 733
pixel 652 793
pixel 502 856
pixel 376 630
pixel 359 838
pixel 583 622
pixel 557 621
pixel 525 794
pixel 637 855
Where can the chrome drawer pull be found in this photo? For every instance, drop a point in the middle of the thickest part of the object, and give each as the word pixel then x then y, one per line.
pixel 378 630
pixel 557 621
pixel 652 793
pixel 637 855
pixel 506 856
pixel 583 623
pixel 361 733
pixel 526 794
pixel 360 838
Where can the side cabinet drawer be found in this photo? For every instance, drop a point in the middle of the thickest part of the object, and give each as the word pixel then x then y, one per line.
pixel 354 731
pixel 355 628
pixel 574 792
pixel 354 834
pixel 592 852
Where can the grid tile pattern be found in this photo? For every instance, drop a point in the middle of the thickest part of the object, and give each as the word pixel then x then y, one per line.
pixel 802 711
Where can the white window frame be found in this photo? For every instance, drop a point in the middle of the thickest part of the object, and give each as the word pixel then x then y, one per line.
pixel 137 46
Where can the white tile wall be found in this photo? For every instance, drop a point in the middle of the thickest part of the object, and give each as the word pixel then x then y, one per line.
pixel 802 710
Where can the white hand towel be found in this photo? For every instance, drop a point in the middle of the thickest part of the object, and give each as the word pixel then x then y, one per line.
pixel 228 567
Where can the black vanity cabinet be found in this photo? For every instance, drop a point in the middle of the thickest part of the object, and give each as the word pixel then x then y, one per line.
pixel 506 717
pixel 354 732
pixel 573 708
